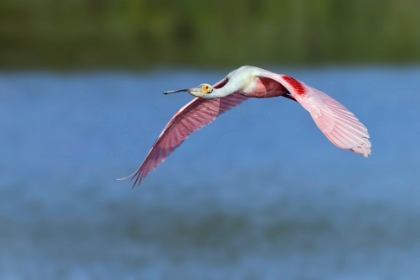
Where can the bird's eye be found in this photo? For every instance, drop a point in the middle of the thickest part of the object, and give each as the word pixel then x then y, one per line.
pixel 206 89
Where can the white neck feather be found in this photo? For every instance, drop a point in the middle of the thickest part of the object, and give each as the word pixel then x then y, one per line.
pixel 220 92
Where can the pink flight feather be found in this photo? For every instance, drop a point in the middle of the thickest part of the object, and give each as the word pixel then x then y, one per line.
pixel 338 124
pixel 193 116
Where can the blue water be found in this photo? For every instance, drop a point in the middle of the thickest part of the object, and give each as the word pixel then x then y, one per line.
pixel 258 194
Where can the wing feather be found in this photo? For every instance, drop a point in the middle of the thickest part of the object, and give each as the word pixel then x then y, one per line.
pixel 193 116
pixel 338 124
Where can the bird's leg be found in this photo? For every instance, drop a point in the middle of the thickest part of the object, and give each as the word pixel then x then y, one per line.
pixel 289 96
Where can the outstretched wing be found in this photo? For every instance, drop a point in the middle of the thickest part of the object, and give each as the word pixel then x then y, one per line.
pixel 338 124
pixel 193 116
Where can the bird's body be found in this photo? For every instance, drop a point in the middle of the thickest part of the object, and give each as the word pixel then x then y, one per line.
pixel 247 80
pixel 338 124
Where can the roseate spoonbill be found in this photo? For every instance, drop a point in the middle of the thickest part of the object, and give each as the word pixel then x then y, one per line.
pixel 338 124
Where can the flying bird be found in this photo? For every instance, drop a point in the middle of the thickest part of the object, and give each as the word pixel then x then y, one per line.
pixel 338 124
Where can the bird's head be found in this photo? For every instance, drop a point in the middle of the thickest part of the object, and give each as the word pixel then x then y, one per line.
pixel 200 91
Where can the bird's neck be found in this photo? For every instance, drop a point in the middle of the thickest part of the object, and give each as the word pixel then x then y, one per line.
pixel 221 92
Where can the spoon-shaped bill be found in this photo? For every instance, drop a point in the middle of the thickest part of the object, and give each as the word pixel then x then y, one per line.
pixel 174 91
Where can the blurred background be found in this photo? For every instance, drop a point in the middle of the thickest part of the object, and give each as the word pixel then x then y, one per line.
pixel 80 34
pixel 258 194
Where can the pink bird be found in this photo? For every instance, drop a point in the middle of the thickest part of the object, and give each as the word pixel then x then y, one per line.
pixel 338 124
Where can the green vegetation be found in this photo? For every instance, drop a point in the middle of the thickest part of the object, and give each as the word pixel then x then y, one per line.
pixel 141 33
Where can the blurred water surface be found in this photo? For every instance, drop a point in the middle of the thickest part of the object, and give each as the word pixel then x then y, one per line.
pixel 258 194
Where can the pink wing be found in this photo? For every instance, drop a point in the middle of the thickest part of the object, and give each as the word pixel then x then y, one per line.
pixel 340 125
pixel 193 116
